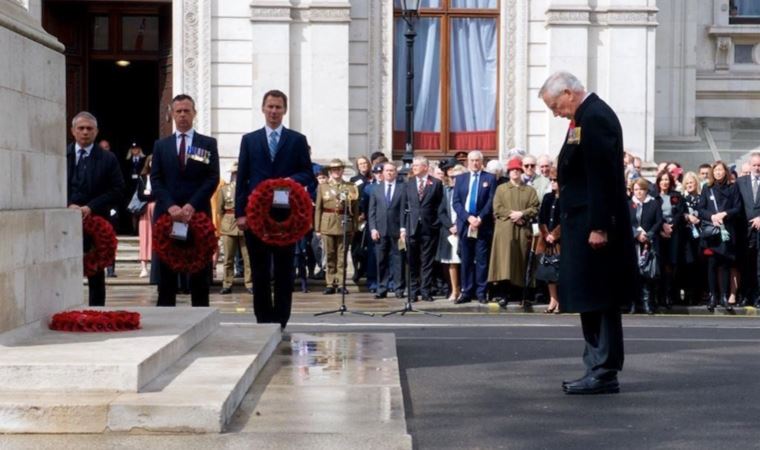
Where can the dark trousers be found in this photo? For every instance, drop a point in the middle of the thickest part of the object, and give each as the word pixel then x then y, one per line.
pixel 268 260
pixel 474 268
pixel 719 276
pixel 389 265
pixel 167 286
pixel 422 250
pixel 603 332
pixel 97 289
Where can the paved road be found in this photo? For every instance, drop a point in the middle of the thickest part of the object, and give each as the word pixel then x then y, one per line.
pixel 478 381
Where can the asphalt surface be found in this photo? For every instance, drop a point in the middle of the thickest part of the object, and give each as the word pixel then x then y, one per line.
pixel 486 382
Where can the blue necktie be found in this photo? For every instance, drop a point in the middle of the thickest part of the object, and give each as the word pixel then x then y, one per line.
pixel 273 144
pixel 388 195
pixel 473 206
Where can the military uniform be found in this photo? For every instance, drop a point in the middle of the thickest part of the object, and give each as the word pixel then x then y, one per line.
pixel 328 221
pixel 232 237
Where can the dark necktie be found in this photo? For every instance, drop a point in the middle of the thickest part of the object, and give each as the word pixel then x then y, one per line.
pixel 81 164
pixel 182 151
pixel 420 188
pixel 388 195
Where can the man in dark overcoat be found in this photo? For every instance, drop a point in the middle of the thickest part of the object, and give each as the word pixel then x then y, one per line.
pixel 184 174
pixel 94 185
pixel 749 189
pixel 420 224
pixel 598 267
pixel 272 151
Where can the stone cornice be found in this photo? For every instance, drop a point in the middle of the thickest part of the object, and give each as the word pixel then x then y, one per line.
pixel 646 17
pixel 315 13
pixel 16 18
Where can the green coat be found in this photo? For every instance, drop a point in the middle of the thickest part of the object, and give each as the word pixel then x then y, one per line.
pixel 511 242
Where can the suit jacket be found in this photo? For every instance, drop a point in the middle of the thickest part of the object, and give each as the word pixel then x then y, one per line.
pixel 195 185
pixel 751 206
pixel 484 203
pixel 651 219
pixel 593 197
pixel 421 216
pixel 106 185
pixel 254 164
pixel 384 218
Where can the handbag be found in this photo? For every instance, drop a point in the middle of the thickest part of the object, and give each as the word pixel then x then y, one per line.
pixel 548 266
pixel 136 206
pixel 649 267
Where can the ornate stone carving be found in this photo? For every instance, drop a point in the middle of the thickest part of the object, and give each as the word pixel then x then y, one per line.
pixel 723 49
pixel 196 60
pixel 327 14
pixel 639 17
pixel 568 17
pixel 270 13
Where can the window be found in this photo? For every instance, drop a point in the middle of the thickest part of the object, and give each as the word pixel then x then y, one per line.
pixel 455 77
pixel 744 11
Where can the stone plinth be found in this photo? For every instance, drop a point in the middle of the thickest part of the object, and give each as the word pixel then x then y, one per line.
pixel 40 249
pixel 108 362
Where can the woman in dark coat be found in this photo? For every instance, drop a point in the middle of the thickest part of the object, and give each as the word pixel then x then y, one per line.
pixel 692 263
pixel 646 220
pixel 720 207
pixel 549 227
pixel 672 205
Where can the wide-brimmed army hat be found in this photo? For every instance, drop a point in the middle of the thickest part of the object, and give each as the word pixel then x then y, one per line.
pixel 336 164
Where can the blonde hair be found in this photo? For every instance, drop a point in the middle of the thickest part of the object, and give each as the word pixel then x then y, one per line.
pixel 691 176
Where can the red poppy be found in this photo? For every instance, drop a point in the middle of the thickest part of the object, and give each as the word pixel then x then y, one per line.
pixel 102 252
pixel 274 232
pixel 674 200
pixel 95 321
pixel 189 256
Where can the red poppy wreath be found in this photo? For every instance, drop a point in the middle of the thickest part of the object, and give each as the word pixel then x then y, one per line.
pixel 267 227
pixel 95 321
pixel 191 255
pixel 100 244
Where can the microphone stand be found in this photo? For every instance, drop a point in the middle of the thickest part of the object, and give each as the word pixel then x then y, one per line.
pixel 342 309
pixel 408 308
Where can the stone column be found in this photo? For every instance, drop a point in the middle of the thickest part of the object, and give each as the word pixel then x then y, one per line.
pixel 567 28
pixel 41 245
pixel 191 35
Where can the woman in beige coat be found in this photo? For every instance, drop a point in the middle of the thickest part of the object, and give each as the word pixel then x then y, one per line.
pixel 514 205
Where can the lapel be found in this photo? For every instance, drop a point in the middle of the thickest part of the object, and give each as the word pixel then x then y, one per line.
pixel 396 193
pixel 70 159
pixel 278 157
pixel 95 155
pixel 172 158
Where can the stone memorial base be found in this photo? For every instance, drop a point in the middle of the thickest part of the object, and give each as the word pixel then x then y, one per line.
pixel 182 372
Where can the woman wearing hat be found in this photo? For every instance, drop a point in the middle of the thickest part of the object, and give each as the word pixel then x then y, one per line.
pixel 515 205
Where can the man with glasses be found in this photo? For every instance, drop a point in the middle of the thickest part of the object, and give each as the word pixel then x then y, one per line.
pixel 539 182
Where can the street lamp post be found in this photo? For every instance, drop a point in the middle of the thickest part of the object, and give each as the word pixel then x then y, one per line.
pixel 410 12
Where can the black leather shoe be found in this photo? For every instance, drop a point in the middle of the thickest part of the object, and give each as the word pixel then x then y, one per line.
pixel 566 382
pixel 503 303
pixel 328 291
pixel 592 385
pixel 462 299
pixel 249 290
pixel 226 291
pixel 342 291
pixel 757 302
pixel 483 301
pixel 427 298
pixel 381 295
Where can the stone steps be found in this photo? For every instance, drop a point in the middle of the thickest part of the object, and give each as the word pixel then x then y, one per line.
pixel 197 388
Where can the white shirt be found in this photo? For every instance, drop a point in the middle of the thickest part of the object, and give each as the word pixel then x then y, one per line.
pixel 385 188
pixel 188 140
pixel 87 151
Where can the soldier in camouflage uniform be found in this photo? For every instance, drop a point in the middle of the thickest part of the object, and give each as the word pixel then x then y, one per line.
pixel 332 198
pixel 232 237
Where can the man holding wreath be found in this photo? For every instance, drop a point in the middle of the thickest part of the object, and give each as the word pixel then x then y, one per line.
pixel 270 152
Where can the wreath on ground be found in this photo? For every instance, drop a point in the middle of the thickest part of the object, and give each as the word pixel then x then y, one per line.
pixel 90 321
pixel 191 255
pixel 99 244
pixel 270 224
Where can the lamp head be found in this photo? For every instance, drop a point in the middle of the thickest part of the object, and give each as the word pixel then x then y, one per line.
pixel 410 6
